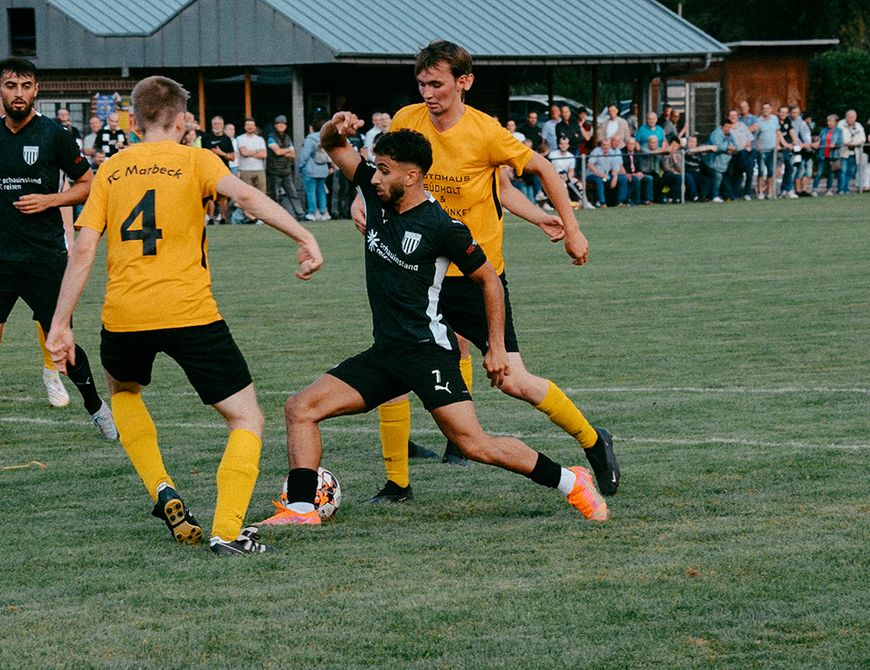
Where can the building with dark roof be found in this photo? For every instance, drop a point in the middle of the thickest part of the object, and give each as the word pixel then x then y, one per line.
pixel 305 57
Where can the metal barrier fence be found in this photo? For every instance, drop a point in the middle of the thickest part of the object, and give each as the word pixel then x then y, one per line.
pixel 861 168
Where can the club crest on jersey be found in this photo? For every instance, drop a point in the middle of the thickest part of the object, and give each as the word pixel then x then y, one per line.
pixel 410 242
pixel 31 154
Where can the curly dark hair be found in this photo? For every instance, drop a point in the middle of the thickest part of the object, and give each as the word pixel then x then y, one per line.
pixel 405 146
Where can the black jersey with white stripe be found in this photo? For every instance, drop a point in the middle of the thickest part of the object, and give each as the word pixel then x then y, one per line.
pixel 34 160
pixel 407 256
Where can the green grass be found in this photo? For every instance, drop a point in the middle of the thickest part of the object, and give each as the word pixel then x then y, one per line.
pixel 727 349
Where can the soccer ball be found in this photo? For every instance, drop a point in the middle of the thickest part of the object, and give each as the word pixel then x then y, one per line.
pixel 327 498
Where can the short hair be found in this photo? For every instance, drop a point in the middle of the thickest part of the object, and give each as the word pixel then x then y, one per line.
pixel 157 101
pixel 317 124
pixel 217 117
pixel 833 117
pixel 437 51
pixel 405 146
pixel 727 122
pixel 18 66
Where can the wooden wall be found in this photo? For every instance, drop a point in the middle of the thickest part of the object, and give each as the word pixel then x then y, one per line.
pixel 776 76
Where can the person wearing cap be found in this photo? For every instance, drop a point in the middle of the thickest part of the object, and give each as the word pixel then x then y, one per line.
pixel 281 168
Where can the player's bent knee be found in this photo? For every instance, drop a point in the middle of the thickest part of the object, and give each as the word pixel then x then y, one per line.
pixel 523 385
pixel 476 448
pixel 252 420
pixel 300 409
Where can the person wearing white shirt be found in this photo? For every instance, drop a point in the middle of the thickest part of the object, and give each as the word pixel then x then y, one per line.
pixel 252 164
pixel 511 125
pixel 854 138
pixel 230 131
pixel 252 158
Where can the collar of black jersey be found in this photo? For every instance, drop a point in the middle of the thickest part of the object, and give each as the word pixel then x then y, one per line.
pixel 20 130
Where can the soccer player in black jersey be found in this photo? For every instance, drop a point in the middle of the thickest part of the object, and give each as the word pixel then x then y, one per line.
pixel 35 152
pixel 409 243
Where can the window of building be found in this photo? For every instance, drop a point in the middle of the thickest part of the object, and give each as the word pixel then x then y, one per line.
pixel 22 31
pixel 704 108
pixel 79 110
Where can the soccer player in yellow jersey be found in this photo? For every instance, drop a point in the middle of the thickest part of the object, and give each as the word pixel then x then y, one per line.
pixel 468 148
pixel 149 202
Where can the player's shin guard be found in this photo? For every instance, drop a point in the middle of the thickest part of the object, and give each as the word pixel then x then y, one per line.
pixel 236 477
pixel 80 374
pixel 47 363
pixel 395 425
pixel 138 435
pixel 565 414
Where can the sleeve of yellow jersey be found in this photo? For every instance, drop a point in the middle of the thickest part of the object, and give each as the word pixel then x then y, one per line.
pixel 95 213
pixel 211 171
pixel 505 149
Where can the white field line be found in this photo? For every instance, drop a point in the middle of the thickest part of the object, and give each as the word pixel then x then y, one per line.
pixel 532 435
pixel 737 390
pixel 699 390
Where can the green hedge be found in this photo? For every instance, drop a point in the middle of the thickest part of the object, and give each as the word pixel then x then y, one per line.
pixel 839 81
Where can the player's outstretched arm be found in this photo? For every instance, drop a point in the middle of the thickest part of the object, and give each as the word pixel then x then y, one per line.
pixel 60 342
pixel 576 245
pixel 519 205
pixel 258 204
pixel 495 362
pixel 333 138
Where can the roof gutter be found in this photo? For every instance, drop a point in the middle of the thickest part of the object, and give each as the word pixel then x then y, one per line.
pixel 704 60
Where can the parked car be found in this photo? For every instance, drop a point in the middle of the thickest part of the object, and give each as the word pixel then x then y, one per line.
pixel 521 105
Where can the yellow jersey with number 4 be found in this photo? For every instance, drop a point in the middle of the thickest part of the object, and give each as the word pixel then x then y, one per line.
pixel 464 173
pixel 149 201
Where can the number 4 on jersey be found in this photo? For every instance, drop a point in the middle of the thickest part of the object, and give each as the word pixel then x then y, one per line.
pixel 149 233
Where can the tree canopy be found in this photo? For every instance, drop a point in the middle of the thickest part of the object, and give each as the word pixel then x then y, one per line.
pixel 733 21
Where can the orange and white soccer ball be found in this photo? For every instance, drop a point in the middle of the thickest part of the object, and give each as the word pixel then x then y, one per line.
pixel 327 498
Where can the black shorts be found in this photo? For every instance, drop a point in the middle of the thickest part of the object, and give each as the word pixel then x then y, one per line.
pixel 380 374
pixel 37 284
pixel 462 305
pixel 208 355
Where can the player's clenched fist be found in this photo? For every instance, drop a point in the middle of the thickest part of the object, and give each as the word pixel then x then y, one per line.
pixel 346 123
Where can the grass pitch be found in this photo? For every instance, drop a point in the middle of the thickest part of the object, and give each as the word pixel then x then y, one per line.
pixel 726 347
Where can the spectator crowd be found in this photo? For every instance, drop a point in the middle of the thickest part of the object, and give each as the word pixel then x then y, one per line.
pixel 783 154
pixel 622 163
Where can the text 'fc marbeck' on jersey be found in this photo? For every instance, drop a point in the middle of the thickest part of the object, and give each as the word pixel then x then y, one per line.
pixel 149 202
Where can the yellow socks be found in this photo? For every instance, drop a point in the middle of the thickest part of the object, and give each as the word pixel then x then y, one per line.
pixel 395 425
pixel 565 414
pixel 236 477
pixel 467 372
pixel 47 363
pixel 138 436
